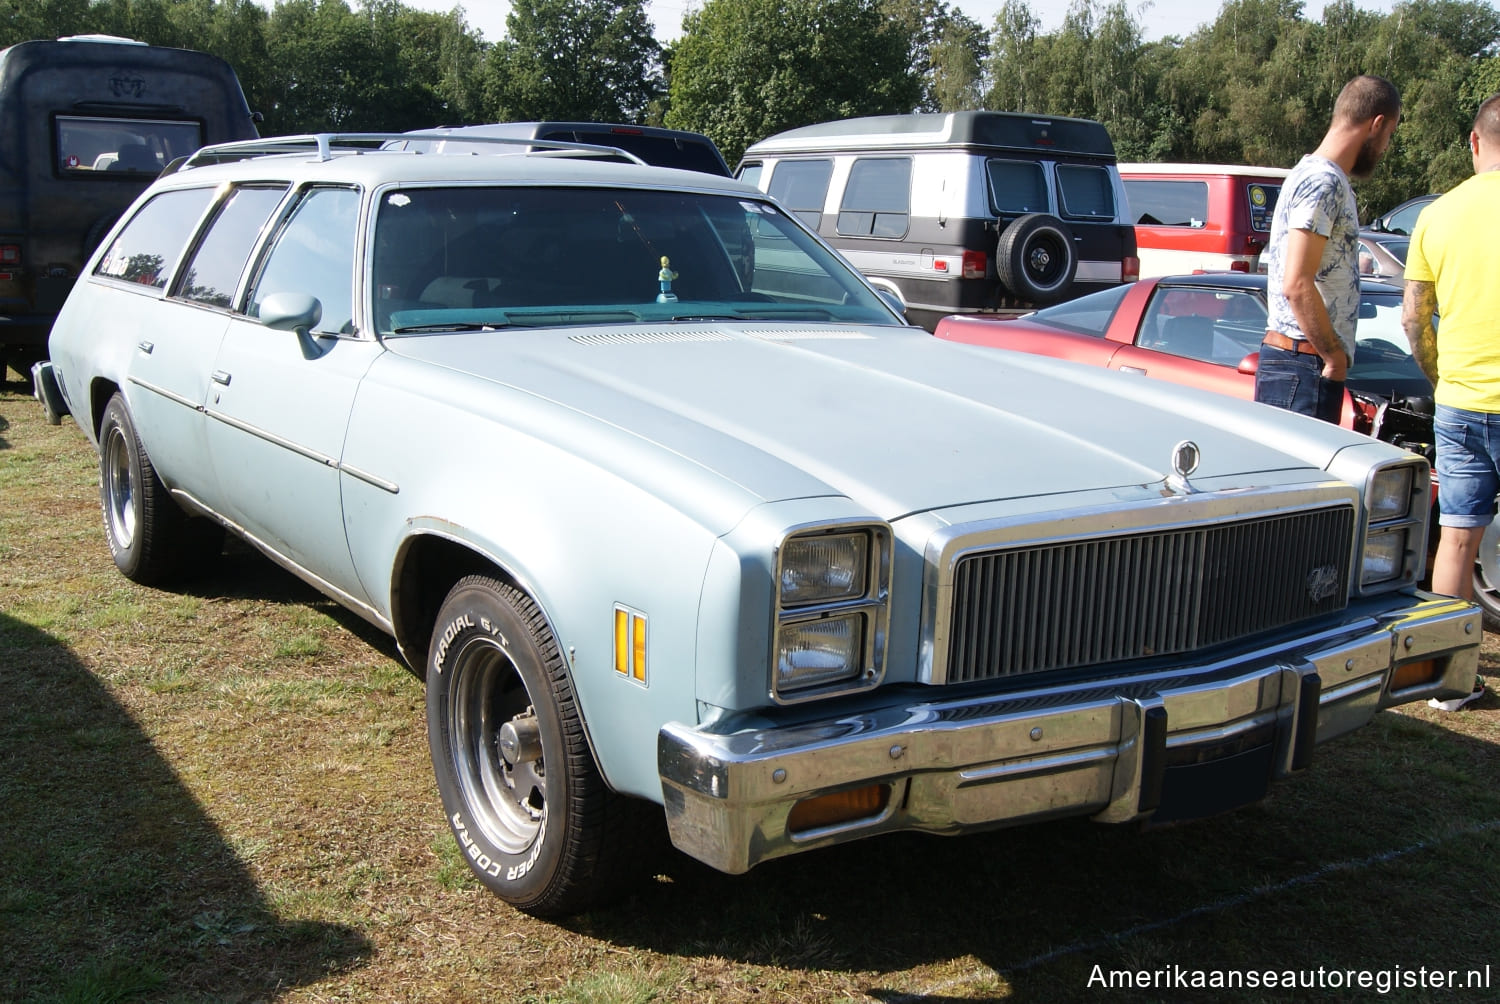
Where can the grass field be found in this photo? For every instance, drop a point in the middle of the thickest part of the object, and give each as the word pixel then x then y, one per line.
pixel 222 793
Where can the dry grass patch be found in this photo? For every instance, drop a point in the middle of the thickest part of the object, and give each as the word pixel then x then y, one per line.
pixel 222 793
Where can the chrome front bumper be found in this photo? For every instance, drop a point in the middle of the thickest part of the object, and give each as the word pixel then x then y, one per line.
pixel 1165 746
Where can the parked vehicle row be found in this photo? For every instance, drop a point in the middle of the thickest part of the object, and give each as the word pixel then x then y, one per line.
pixel 680 521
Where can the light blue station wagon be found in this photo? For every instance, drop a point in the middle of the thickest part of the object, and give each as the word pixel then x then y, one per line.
pixel 679 519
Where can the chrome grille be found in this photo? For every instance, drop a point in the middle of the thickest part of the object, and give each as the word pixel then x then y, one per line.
pixel 1053 606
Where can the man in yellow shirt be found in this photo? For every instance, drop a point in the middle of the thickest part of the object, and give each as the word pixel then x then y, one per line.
pixel 1453 267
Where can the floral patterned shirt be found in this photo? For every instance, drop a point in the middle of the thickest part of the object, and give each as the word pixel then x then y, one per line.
pixel 1317 197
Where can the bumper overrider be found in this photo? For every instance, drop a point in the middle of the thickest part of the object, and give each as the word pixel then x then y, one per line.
pixel 1171 745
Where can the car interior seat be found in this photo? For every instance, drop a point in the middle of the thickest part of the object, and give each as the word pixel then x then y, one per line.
pixel 1189 336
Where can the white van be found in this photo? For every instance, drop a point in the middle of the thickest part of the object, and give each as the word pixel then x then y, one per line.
pixel 965 212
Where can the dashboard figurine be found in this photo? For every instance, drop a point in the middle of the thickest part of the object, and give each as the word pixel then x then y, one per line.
pixel 665 276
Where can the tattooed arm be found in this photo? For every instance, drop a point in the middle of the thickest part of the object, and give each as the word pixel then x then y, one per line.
pixel 1418 305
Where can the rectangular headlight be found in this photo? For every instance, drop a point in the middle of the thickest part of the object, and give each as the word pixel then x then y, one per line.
pixel 825 568
pixel 1389 496
pixel 811 653
pixel 1384 557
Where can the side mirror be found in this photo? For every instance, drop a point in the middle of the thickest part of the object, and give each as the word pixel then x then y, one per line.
pixel 291 312
pixel 1250 365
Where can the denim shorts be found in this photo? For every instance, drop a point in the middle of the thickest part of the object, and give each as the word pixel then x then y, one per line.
pixel 1295 381
pixel 1468 451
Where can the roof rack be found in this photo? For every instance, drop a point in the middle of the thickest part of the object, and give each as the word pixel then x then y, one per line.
pixel 323 146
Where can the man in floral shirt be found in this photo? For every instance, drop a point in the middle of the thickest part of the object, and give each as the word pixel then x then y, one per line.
pixel 1312 260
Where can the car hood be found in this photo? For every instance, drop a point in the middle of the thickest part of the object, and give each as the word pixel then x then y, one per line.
pixel 894 419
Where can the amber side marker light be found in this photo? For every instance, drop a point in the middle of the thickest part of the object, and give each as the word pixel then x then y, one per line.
pixel 840 807
pixel 1415 674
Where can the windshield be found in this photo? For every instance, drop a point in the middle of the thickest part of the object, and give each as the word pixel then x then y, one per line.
pixel 466 258
pixel 1383 361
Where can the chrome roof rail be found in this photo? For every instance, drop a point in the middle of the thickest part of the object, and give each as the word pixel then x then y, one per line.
pixel 324 145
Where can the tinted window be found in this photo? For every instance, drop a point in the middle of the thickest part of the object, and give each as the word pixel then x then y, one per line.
pixel 1017 186
pixel 877 198
pixel 151 242
pixel 1262 199
pixel 1086 192
pixel 214 270
pixel 314 254
pixel 1087 315
pixel 686 153
pixel 1168 203
pixel 802 187
pixel 122 146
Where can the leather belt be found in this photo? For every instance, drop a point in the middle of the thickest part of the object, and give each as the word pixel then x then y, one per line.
pixel 1277 340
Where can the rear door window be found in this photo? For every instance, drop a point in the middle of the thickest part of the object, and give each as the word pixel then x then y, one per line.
pixel 802 187
pixel 1168 203
pixel 877 199
pixel 1086 192
pixel 150 244
pixel 214 269
pixel 1017 186
pixel 114 146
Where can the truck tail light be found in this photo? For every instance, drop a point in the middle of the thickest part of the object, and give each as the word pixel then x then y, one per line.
pixel 975 264
pixel 1239 266
pixel 1130 269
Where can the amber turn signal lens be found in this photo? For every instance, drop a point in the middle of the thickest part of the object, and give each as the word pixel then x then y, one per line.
pixel 840 807
pixel 1415 674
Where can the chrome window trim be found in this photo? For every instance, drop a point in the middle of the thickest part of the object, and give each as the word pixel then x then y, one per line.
pixel 947 546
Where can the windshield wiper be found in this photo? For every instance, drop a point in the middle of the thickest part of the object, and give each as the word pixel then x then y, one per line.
pixel 439 326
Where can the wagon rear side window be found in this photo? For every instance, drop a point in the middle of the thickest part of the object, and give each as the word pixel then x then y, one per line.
pixel 149 246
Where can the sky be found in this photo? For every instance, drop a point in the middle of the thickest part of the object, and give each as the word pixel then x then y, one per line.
pixel 1158 19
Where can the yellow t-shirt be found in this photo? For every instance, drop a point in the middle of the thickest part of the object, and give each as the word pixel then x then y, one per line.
pixel 1455 246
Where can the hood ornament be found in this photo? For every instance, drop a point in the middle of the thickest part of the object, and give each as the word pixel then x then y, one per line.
pixel 1185 457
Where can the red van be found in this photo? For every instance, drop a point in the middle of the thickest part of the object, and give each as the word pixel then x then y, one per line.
pixel 1208 217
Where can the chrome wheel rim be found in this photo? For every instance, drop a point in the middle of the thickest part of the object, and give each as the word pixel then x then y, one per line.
pixel 508 801
pixel 119 489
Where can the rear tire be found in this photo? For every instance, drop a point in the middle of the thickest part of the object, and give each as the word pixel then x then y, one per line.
pixel 143 525
pixel 530 811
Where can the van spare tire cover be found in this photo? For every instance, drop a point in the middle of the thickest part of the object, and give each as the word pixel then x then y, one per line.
pixel 1036 258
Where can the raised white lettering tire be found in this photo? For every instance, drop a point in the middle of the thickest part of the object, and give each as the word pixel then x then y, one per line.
pixel 532 815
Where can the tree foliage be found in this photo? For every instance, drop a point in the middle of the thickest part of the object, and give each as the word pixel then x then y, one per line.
pixel 746 68
pixel 1255 85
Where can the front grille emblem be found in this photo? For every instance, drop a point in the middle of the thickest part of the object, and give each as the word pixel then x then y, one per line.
pixel 1322 582
pixel 1185 457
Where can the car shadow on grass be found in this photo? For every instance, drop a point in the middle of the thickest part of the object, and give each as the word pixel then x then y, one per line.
pixel 117 885
pixel 1398 821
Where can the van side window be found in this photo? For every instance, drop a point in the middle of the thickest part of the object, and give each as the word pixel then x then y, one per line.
pixel 1086 192
pixel 145 251
pixel 314 254
pixel 86 144
pixel 1262 199
pixel 1017 186
pixel 802 187
pixel 877 198
pixel 1168 203
pixel 213 271
pixel 750 173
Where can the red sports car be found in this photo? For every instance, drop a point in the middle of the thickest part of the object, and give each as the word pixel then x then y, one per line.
pixel 1205 330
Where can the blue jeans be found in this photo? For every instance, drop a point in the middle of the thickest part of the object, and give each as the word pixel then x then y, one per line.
pixel 1295 381
pixel 1468 465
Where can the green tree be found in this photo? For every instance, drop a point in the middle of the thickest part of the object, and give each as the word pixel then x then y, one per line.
pixel 575 60
pixel 948 49
pixel 744 69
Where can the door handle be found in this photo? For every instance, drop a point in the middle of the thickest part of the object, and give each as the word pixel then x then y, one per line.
pixel 145 346
pixel 221 376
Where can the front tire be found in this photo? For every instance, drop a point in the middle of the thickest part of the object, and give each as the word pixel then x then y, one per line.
pixel 143 525
pixel 530 811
